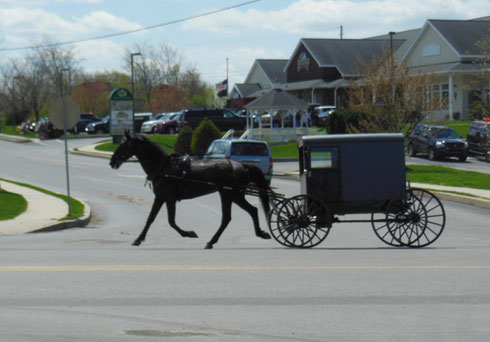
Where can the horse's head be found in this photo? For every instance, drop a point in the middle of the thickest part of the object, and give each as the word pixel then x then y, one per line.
pixel 125 151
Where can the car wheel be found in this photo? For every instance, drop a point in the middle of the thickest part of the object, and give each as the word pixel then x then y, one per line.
pixel 411 151
pixel 153 130
pixel 432 154
pixel 171 130
pixel 99 131
pixel 463 158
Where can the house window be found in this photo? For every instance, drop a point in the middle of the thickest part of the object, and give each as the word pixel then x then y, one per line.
pixel 441 92
pixel 431 49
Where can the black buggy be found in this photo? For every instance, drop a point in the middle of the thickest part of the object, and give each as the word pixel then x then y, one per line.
pixel 356 174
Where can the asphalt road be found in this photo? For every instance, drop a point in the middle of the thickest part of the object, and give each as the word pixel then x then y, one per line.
pixel 89 284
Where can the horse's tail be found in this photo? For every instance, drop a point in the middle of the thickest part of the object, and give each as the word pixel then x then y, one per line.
pixel 257 177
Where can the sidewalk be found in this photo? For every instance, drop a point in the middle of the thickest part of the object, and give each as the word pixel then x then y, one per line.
pixel 43 212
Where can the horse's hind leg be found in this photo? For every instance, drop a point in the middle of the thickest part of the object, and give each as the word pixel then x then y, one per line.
pixel 245 205
pixel 171 221
pixel 225 219
pixel 157 204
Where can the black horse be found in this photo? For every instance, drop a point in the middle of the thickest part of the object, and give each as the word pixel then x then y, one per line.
pixel 175 179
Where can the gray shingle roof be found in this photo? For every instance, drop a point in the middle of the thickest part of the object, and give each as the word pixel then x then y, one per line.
pixel 463 35
pixel 274 69
pixel 277 99
pixel 245 89
pixel 345 54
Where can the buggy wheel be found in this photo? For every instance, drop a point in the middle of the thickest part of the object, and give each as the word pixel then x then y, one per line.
pixel 380 227
pixel 417 219
pixel 301 221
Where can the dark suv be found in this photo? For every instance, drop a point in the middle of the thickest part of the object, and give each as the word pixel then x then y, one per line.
pixel 479 139
pixel 437 142
pixel 224 119
pixel 85 119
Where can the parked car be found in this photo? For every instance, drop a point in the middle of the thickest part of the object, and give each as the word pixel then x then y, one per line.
pixel 140 118
pixel 256 152
pixel 478 139
pixel 150 126
pixel 321 114
pixel 85 119
pixel 99 127
pixel 278 118
pixel 224 119
pixel 436 142
pixel 170 125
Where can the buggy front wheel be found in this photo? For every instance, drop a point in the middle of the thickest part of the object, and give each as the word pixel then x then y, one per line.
pixel 417 219
pixel 301 221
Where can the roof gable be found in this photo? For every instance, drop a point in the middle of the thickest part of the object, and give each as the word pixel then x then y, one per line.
pixel 271 70
pixel 345 54
pixel 463 36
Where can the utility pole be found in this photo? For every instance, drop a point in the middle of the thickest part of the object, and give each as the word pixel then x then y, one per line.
pixel 341 32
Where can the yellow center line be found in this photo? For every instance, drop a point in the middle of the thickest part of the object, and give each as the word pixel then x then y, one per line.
pixel 93 268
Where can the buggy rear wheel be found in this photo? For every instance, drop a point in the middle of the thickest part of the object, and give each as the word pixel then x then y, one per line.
pixel 417 219
pixel 379 223
pixel 301 221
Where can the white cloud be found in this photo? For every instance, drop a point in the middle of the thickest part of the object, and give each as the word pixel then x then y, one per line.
pixel 24 26
pixel 312 18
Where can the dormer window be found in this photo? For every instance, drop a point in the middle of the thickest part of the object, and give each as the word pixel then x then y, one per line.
pixel 431 49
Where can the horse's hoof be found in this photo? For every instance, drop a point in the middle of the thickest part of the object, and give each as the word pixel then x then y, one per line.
pixel 264 235
pixel 136 243
pixel 208 246
pixel 192 234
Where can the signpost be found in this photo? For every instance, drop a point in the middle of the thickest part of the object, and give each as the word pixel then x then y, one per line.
pixel 121 111
pixel 64 112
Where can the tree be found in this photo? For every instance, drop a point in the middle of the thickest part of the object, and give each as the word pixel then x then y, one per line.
pixel 391 96
pixel 168 99
pixel 184 141
pixel 203 136
pixel 93 95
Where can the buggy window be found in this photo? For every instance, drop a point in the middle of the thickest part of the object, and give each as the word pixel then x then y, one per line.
pixel 249 149
pixel 324 158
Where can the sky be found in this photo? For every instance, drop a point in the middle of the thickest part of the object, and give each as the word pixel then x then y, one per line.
pixel 247 30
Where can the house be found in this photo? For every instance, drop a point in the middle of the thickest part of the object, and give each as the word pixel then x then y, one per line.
pixel 264 75
pixel 449 49
pixel 319 70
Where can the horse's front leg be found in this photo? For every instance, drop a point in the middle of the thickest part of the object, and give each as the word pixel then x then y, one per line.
pixel 157 204
pixel 171 221
pixel 225 219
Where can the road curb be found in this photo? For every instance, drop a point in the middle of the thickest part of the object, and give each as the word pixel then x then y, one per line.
pixel 78 223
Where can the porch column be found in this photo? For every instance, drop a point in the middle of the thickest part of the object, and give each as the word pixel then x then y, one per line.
pixel 335 97
pixel 451 97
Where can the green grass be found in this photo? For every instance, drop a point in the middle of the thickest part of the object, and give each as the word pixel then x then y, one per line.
pixel 446 176
pixel 165 141
pixel 461 127
pixel 12 205
pixel 77 207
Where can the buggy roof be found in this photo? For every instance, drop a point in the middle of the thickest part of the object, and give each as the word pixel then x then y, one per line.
pixel 341 138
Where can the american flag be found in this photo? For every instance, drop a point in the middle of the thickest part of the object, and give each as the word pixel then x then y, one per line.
pixel 222 88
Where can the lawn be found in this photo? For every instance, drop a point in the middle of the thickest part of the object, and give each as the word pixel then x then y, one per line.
pixel 12 205
pixel 446 176
pixel 77 207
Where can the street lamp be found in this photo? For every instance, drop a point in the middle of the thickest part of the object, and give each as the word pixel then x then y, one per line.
pixel 132 78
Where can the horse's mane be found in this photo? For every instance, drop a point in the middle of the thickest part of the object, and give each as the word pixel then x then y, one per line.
pixel 153 146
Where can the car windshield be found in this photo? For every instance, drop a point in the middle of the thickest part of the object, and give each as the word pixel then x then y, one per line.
pixel 249 149
pixel 446 133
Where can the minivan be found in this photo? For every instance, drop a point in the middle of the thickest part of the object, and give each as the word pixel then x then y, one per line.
pixel 224 119
pixel 256 152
